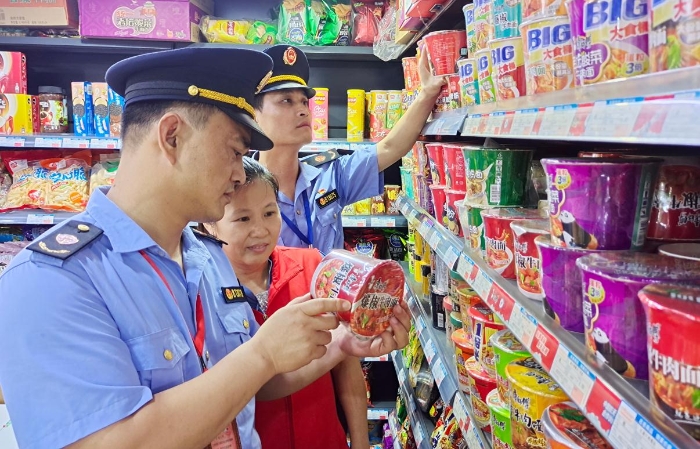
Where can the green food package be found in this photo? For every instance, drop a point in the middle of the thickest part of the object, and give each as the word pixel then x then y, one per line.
pixel 323 23
pixel 294 22
pixel 262 33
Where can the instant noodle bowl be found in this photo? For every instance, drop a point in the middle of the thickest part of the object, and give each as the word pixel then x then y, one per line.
pixel 534 9
pixel 673 316
pixel 506 18
pixel 528 266
pixel 675 212
pixel 496 177
pixel 425 197
pixel 508 67
pixel 444 50
pixel 475 228
pixel 438 193
pixel 674 42
pixel 688 251
pixel 613 316
pixel 506 348
pixel 467 299
pixel 457 283
pixel 451 219
pixel 463 351
pixel 549 56
pixel 600 203
pixel 480 385
pixel 436 162
pixel 455 177
pixel 483 23
pixel 373 287
pixel 500 245
pixel 609 41
pixel 566 427
pixel 422 160
pixel 410 73
pixel 487 89
pixel 532 390
pixel 484 324
pixel 500 421
pixel 463 220
pixel 468 82
pixel 468 11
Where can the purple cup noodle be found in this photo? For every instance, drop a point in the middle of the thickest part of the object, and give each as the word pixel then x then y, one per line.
pixel 600 204
pixel 613 316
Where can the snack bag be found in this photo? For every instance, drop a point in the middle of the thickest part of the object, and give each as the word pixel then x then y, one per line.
pixel 294 23
pixel 28 189
pixel 262 33
pixel 226 31
pixel 323 23
pixel 5 184
pixel 365 21
pixel 104 173
pixel 67 181
pixel 344 13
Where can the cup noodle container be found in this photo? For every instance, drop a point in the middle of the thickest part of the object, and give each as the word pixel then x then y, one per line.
pixel 319 113
pixel 474 229
pixel 374 287
pixel 468 82
pixel 673 318
pixel 425 196
pixel 532 390
pixel 468 11
pixel 463 220
pixel 451 219
pixel 453 158
pixel 613 316
pixel 609 43
pixel 675 211
pixel 508 67
pixel 487 89
pixel 528 265
pixel 467 299
pixel 422 166
pixel 566 427
pixel 463 351
pixel 600 203
pixel 484 324
pixel 480 385
pixel 549 54
pixel 506 348
pixel 457 283
pixel 410 73
pixel 438 195
pixel 444 50
pixel 534 9
pixel 436 162
pixel 675 45
pixel 496 177
pixel 500 245
pixel 500 421
pixel 687 251
pixel 507 15
pixel 449 97
pixel 483 23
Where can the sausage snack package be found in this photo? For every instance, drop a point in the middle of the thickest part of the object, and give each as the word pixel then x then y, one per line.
pixel 373 287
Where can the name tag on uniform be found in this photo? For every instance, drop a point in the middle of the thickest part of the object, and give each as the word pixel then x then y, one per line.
pixel 233 294
pixel 327 199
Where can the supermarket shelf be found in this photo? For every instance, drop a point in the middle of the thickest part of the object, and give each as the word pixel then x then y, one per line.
pixel 349 53
pixel 60 141
pixel 394 426
pixel 34 216
pixel 380 411
pixel 618 408
pixel 420 424
pixel 384 358
pixel 374 221
pixel 448 123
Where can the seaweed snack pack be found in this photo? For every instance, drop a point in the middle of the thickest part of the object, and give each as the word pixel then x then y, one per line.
pixel 374 287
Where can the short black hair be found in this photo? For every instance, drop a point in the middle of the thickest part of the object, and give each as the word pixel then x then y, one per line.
pixel 255 171
pixel 258 101
pixel 139 116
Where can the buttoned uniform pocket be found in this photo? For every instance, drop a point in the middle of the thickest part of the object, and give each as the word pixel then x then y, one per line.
pixel 159 358
pixel 236 324
pixel 329 217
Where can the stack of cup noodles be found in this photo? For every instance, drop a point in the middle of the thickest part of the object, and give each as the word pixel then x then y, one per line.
pixel 444 51
pixel 373 114
pixel 447 183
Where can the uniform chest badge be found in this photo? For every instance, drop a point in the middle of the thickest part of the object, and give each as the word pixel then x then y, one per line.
pixel 290 56
pixel 325 199
pixel 233 294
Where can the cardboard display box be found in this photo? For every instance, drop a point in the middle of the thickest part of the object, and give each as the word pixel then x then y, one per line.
pixel 39 13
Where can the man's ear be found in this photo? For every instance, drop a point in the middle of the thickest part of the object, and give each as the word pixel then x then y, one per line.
pixel 171 132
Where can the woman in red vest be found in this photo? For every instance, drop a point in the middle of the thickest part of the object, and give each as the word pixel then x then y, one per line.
pixel 271 277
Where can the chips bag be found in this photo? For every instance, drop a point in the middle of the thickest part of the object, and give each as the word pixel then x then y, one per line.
pixel 365 21
pixel 344 12
pixel 226 31
pixel 104 173
pixel 294 23
pixel 67 181
pixel 262 33
pixel 323 23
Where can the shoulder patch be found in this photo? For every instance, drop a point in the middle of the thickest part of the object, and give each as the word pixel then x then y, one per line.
pixel 66 240
pixel 204 235
pixel 316 160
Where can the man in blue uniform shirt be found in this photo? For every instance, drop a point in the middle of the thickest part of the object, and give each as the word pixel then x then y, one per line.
pixel 312 195
pixel 124 328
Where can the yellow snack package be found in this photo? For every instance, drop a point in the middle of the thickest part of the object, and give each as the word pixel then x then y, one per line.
pixel 225 31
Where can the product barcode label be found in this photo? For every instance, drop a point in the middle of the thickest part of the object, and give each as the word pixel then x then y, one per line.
pixel 441 320
pixel 495 193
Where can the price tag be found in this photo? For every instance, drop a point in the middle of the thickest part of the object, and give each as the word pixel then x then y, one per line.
pixel 451 256
pixel 413 215
pixel 632 431
pixel 461 415
pixel 424 227
pixel 523 122
pixel 106 144
pixel 382 222
pixel 15 142
pixel 420 325
pixel 575 379
pixel 404 207
pixel 47 142
pixel 523 325
pixel 544 347
pixel 482 284
pixel 354 222
pixel 430 351
pixel 377 414
pixel 465 266
pixel 501 303
pixel 603 405
pixel 494 124
pixel 72 142
pixel 472 438
pixel 439 372
pixel 557 120
pixel 471 125
pixel 434 239
pixel 418 433
pixel 40 219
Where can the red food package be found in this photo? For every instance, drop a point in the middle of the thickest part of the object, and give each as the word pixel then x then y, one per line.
pixel 373 287
pixel 366 16
pixel 366 242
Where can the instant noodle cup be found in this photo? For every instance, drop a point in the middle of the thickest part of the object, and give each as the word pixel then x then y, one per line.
pixel 436 162
pixel 373 287
pixel 534 9
pixel 484 325
pixel 528 266
pixel 500 245
pixel 612 314
pixel 500 421
pixel 475 228
pixel 463 220
pixel 451 219
pixel 487 89
pixel 532 390
pixel 673 315
pixel 496 177
pixel 566 427
pixel 444 50
pixel 507 15
pixel 549 55
pixel 480 385
pixel 674 41
pixel 448 99
pixel 467 299
pixel 410 73
pixel 463 351
pixel 455 176
pixel 438 195
pixel 456 320
pixel 506 348
pixel 483 23
pixel 447 304
pixel 356 115
pixel 675 211
pixel 600 203
pixel 468 11
pixel 468 82
pixel 688 251
pixel 508 67
pixel 422 160
pixel 457 283
pixel 609 42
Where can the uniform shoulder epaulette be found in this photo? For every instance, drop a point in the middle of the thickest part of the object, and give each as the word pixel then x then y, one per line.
pixel 66 240
pixel 316 160
pixel 210 237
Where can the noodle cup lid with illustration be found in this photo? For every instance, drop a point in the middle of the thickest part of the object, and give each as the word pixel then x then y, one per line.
pixel 566 427
pixel 373 287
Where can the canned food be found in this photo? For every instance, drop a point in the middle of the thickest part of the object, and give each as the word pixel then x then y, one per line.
pixel 506 18
pixel 549 59
pixel 487 90
pixel 674 41
pixel 468 82
pixel 508 67
pixel 356 115
pixel 483 23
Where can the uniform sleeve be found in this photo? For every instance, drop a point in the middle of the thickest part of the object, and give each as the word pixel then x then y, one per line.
pixel 359 176
pixel 64 370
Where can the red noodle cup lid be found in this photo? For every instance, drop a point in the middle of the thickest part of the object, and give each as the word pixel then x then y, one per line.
pixel 565 425
pixel 480 376
pixel 448 304
pixel 373 287
pixel 459 338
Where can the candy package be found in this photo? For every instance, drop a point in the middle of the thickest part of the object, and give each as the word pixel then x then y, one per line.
pixel 365 21
pixel 294 24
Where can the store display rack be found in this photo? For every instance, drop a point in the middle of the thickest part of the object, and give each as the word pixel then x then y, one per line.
pixel 376 221
pixel 658 108
pixel 394 426
pixel 620 410
pixel 33 217
pixel 380 411
pixel 61 141
pixel 420 424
